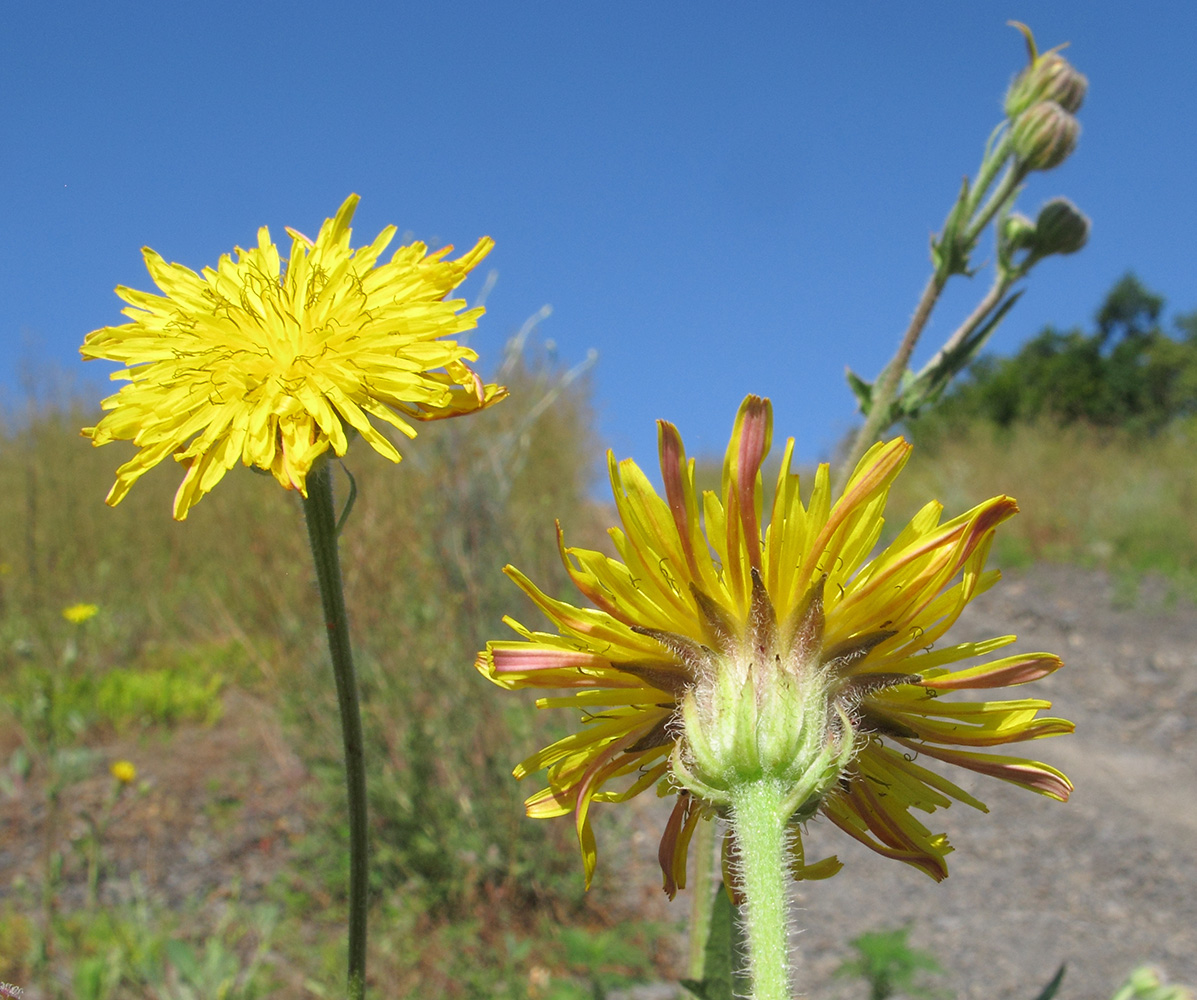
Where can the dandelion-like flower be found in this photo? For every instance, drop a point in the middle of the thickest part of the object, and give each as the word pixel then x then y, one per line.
pixel 123 771
pixel 264 361
pixel 796 614
pixel 77 614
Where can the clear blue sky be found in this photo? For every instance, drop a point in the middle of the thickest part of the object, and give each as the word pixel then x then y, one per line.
pixel 720 198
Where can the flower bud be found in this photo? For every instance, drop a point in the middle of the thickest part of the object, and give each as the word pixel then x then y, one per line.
pixel 1060 228
pixel 1050 77
pixel 1018 232
pixel 1044 135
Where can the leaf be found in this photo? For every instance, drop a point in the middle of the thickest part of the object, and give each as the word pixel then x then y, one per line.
pixel 1053 987
pixel 950 253
pixel 930 383
pixel 862 390
pixel 724 969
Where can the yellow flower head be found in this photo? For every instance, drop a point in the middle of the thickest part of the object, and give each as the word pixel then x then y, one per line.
pixel 263 363
pixel 691 597
pixel 124 772
pixel 77 614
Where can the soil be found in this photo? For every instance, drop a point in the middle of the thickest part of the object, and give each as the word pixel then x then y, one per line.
pixel 1104 883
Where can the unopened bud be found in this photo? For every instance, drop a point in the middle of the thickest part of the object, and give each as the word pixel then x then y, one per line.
pixel 1018 232
pixel 755 722
pixel 1050 77
pixel 1061 227
pixel 1044 135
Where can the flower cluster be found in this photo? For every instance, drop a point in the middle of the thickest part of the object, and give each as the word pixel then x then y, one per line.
pixel 1041 106
pixel 698 605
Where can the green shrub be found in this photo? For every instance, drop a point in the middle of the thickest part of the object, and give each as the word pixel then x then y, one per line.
pixel 1094 497
pixel 1128 373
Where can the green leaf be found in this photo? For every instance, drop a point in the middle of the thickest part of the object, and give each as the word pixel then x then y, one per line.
pixel 1053 987
pixel 724 969
pixel 862 390
pixel 1144 983
pixel 950 252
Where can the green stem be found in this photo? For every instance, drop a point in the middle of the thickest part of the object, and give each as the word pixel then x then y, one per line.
pixel 887 385
pixel 1006 187
pixel 759 820
pixel 702 850
pixel 990 165
pixel 322 533
pixel 1000 286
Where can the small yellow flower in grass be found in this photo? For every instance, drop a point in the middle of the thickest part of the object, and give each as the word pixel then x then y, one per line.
pixel 77 614
pixel 265 360
pixel 124 772
pixel 703 627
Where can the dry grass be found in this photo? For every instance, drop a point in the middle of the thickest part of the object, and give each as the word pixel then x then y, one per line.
pixel 1087 496
pixel 422 553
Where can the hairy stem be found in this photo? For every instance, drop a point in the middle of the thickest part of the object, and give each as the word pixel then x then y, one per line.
pixel 999 288
pixel 759 822
pixel 886 388
pixel 1006 187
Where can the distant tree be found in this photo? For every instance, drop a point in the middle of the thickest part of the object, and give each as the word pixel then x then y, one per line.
pixel 1127 373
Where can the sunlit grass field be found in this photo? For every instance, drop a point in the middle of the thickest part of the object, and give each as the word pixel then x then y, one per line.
pixel 1095 497
pixel 471 898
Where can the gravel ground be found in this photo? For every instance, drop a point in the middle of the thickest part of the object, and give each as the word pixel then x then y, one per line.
pixel 1105 882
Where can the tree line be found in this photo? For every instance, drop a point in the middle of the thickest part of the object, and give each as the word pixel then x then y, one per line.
pixel 1127 372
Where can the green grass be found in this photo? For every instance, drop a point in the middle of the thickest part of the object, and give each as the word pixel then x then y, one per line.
pixel 1092 497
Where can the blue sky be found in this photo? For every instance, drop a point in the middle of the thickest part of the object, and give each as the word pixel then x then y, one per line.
pixel 719 198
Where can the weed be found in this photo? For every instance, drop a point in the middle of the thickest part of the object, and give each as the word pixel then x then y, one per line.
pixel 887 962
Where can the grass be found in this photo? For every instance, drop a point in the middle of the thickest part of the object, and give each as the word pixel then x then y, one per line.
pixel 227 601
pixel 1087 496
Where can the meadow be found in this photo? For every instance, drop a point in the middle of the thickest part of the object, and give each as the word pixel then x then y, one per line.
pixel 204 666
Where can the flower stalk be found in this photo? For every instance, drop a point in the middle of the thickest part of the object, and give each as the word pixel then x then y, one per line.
pixel 322 533
pixel 759 823
pixel 1039 133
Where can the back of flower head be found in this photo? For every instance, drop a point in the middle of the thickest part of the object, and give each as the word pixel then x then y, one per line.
pixel 763 673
